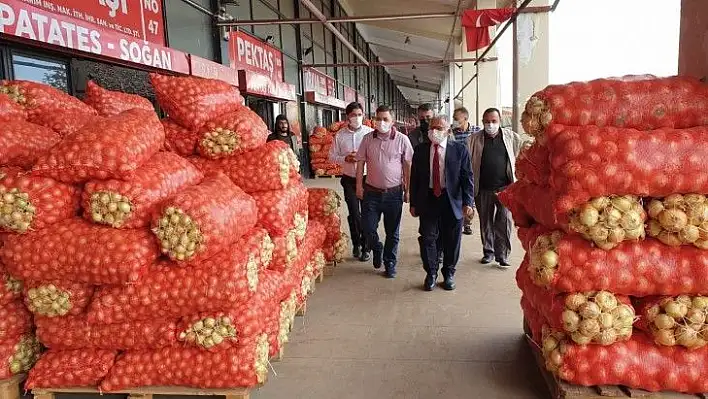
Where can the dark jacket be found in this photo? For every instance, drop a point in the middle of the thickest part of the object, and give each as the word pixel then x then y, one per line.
pixel 458 177
pixel 290 140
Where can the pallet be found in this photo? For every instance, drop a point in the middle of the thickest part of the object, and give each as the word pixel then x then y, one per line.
pixel 329 269
pixel 145 393
pixel 11 388
pixel 320 277
pixel 301 310
pixel 328 177
pixel 562 390
pixel 278 356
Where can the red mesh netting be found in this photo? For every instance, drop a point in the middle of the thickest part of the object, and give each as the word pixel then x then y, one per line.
pixel 180 139
pixel 283 210
pixel 71 368
pixel 111 103
pixel 15 320
pixel 22 143
pixel 230 134
pixel 322 202
pixel 57 298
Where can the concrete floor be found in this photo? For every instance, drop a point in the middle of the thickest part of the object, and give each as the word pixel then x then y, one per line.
pixel 368 337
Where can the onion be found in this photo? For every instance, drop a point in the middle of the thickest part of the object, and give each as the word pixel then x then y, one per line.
pixel 549 344
pixel 702 244
pixel 26 353
pixel 209 332
pixel 16 210
pixel 634 234
pixel 606 337
pixel 589 310
pixel 654 228
pixel 623 204
pixel 631 220
pixel 689 234
pixel 613 217
pixel 686 336
pixel 220 141
pixel 674 201
pixel 700 302
pixel 697 213
pixel 665 337
pixel 598 233
pixel 670 239
pixel 655 208
pixel 544 276
pixel 573 301
pixel 652 312
pixel 580 338
pixel 571 320
pixel 616 236
pixel 664 322
pixel 179 234
pixel 673 220
pixel 606 320
pixel 684 299
pixel 600 203
pixel 606 300
pixel 675 309
pixel 605 245
pixel 589 216
pixel 693 199
pixel 623 311
pixel 110 208
pixel 624 333
pixel 48 300
pixel 549 259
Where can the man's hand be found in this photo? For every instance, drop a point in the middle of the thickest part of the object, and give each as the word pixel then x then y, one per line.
pixel 360 192
pixel 468 211
pixel 413 212
pixel 351 158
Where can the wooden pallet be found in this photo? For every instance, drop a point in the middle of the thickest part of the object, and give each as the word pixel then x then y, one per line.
pixel 11 388
pixel 145 393
pixel 563 390
pixel 328 177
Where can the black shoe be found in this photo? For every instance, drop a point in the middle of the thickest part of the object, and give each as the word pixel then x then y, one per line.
pixel 486 260
pixel 448 284
pixel 356 251
pixel 467 231
pixel 378 259
pixel 503 264
pixel 365 256
pixel 429 282
pixel 390 272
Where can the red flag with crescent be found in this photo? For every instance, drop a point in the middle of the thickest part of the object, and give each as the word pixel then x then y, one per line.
pixel 477 23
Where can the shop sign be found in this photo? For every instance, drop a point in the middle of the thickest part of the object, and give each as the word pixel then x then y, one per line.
pixel 20 19
pixel 349 94
pixel 319 82
pixel 139 19
pixel 211 70
pixel 251 54
pixel 317 98
pixel 261 85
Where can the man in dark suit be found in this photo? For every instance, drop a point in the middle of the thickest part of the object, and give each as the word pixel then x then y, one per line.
pixel 441 194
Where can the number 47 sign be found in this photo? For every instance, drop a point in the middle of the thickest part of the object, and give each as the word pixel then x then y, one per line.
pixel 114 5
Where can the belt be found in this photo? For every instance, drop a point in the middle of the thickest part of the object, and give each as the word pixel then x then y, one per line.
pixel 371 188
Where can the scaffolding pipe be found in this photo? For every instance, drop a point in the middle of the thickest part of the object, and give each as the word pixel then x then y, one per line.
pixel 371 18
pixel 399 63
pixel 317 13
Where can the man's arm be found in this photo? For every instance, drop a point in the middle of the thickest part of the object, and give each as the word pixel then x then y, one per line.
pixel 466 179
pixel 334 154
pixel 407 161
pixel 361 162
pixel 414 184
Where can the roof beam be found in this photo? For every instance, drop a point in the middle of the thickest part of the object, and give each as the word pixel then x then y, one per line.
pixel 369 18
pixel 390 44
pixel 400 63
pixel 411 31
pixel 411 85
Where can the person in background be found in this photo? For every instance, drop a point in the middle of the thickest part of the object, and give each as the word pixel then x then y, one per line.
pixel 386 154
pixel 462 129
pixel 420 134
pixel 283 133
pixel 494 153
pixel 343 152
pixel 441 195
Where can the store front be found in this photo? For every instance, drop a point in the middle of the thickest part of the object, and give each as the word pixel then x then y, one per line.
pixel 320 95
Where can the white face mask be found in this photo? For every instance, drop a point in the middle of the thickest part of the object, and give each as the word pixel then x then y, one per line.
pixel 355 122
pixel 491 128
pixel 437 136
pixel 456 125
pixel 383 126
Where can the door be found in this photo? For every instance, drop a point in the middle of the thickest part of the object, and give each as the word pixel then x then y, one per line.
pixel 264 109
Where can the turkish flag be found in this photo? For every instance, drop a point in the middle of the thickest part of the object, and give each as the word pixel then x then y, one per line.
pixel 477 23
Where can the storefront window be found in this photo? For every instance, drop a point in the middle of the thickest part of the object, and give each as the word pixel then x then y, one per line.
pixel 51 72
pixel 189 29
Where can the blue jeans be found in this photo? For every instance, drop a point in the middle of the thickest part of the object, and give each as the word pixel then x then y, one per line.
pixel 390 205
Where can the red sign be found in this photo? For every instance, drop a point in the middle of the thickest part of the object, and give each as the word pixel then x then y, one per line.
pixel 208 69
pixel 140 19
pixel 261 85
pixel 317 98
pixel 349 94
pixel 319 82
pixel 251 54
pixel 20 19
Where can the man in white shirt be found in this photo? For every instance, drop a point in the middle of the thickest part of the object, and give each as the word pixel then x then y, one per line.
pixel 343 152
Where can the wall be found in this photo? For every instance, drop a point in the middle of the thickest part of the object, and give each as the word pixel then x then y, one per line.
pixel 693 48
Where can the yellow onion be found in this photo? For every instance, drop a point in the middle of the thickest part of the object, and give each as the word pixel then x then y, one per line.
pixel 179 234
pixel 589 216
pixel 631 220
pixel 674 201
pixel 580 338
pixel 15 93
pixel 689 234
pixel 654 228
pixel 221 141
pixel 600 203
pixel 48 300
pixel 110 208
pixel 616 235
pixel 571 320
pixel 623 204
pixel 25 354
pixel 697 213
pixel 673 220
pixel 665 337
pixel 669 238
pixel 16 210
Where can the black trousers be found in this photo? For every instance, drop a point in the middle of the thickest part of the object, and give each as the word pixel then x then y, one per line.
pixel 356 229
pixel 439 227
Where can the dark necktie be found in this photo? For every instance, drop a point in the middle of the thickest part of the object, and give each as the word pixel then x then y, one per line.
pixel 437 189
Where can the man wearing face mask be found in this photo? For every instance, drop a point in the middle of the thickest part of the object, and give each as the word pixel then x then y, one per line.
pixel 386 154
pixel 441 195
pixel 462 129
pixel 343 152
pixel 420 134
pixel 493 154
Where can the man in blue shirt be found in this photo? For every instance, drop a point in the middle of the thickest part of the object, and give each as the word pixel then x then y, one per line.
pixel 463 129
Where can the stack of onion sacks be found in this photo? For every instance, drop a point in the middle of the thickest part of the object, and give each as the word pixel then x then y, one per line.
pixel 679 220
pixel 607 221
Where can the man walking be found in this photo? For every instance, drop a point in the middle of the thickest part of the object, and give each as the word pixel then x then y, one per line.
pixel 343 152
pixel 462 129
pixel 386 154
pixel 494 153
pixel 420 133
pixel 441 195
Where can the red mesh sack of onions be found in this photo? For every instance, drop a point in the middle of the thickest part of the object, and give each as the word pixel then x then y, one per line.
pixel 130 203
pixel 570 264
pixel 168 291
pixel 57 298
pixel 285 250
pixel 18 354
pixel 202 220
pixel 334 250
pixel 591 162
pixel 272 163
pixel 333 227
pixel 10 111
pixel 30 202
pixel 244 365
pixel 15 320
pixel 112 103
pixel 10 287
pixel 671 321
pixel 75 332
pixel 179 139
pixel 76 250
pixel 22 143
pixel 530 204
pixel 283 210
pixel 587 317
pixel 71 368
pixel 192 101
pixel 110 147
pixel 66 122
pixel 637 102
pixel 533 165
pixel 233 133
pixel 322 202
pixel 38 99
